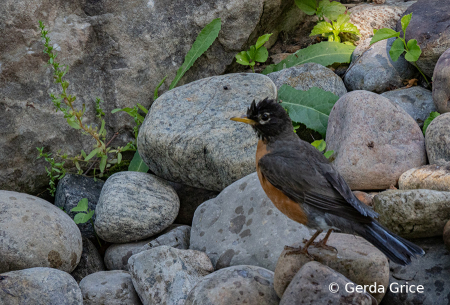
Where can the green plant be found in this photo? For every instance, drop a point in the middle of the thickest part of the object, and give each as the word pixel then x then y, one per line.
pixel 85 214
pixel 55 172
pixel 256 53
pixel 325 53
pixel 321 145
pixel 427 122
pixel 65 103
pixel 324 8
pixel 311 107
pixel 333 29
pixel 400 45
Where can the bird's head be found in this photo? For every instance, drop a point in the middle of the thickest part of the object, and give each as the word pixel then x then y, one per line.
pixel 267 118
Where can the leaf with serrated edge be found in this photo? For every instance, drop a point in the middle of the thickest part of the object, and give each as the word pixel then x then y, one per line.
pixel 311 107
pixel 383 34
pixel 333 9
pixel 349 28
pixel 204 40
pixel 321 28
pixel 405 22
pixel 137 164
pixel 262 40
pixel 397 49
pixel 307 6
pixel 325 53
pixel 413 52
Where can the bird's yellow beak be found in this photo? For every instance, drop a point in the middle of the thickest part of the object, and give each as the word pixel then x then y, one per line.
pixel 244 119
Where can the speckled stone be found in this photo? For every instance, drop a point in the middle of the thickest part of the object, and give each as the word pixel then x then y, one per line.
pixel 90 261
pixel 375 71
pixel 432 271
pixel 109 287
pixel 355 258
pixel 241 226
pixel 413 213
pixel 311 285
pixel 441 83
pixel 306 76
pixel 134 206
pixel 416 101
pixel 430 177
pixel 437 140
pixel 374 141
pixel 187 136
pixel 71 189
pixel 165 275
pixel 35 233
pixel 37 286
pixel 235 285
pixel 117 255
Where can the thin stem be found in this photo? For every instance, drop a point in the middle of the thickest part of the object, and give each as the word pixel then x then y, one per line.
pixel 423 75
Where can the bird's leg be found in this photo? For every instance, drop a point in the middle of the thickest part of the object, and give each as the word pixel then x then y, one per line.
pixel 304 250
pixel 323 242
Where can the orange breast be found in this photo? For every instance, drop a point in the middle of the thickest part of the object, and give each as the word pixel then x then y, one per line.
pixel 283 203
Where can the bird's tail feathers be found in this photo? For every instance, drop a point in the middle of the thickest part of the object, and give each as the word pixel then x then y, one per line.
pixel 396 248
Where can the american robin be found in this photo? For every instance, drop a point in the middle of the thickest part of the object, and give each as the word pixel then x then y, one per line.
pixel 305 187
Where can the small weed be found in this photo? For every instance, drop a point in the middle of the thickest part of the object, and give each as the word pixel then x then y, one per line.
pixel 256 53
pixel 427 122
pixel 321 145
pixel 85 214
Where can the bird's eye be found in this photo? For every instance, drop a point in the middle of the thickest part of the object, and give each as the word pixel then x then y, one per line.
pixel 265 116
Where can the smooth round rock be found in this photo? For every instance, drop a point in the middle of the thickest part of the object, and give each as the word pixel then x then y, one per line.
pixel 413 213
pixel 374 141
pixel 431 177
pixel 306 76
pixel 35 233
pixel 187 136
pixel 312 285
pixel 356 259
pixel 437 140
pixel 109 287
pixel 441 83
pixel 235 285
pixel 37 286
pixel 134 206
pixel 165 275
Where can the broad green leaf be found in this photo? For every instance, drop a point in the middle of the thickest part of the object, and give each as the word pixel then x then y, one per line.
pixel 328 153
pixel 82 217
pixel 82 206
pixel 319 144
pixel 202 43
pixel 341 20
pixel 155 93
pixel 307 6
pixel 333 9
pixel 325 53
pixel 103 163
pixel 397 49
pixel 261 54
pixel 73 123
pixel 430 118
pixel 311 107
pixel 413 52
pixel 405 22
pixel 321 28
pixel 242 58
pixel 383 34
pixel 91 154
pixel 251 53
pixel 262 40
pixel 137 164
pixel 119 158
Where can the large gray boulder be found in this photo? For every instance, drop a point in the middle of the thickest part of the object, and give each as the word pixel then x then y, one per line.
pixel 437 140
pixel 413 213
pixel 375 71
pixel 441 83
pixel 116 50
pixel 241 226
pixel 35 233
pixel 165 275
pixel 430 26
pixel 37 286
pixel 134 206
pixel 188 137
pixel 235 285
pixel 374 141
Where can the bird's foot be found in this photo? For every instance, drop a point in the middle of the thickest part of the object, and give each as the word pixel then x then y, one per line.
pixel 296 250
pixel 319 244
